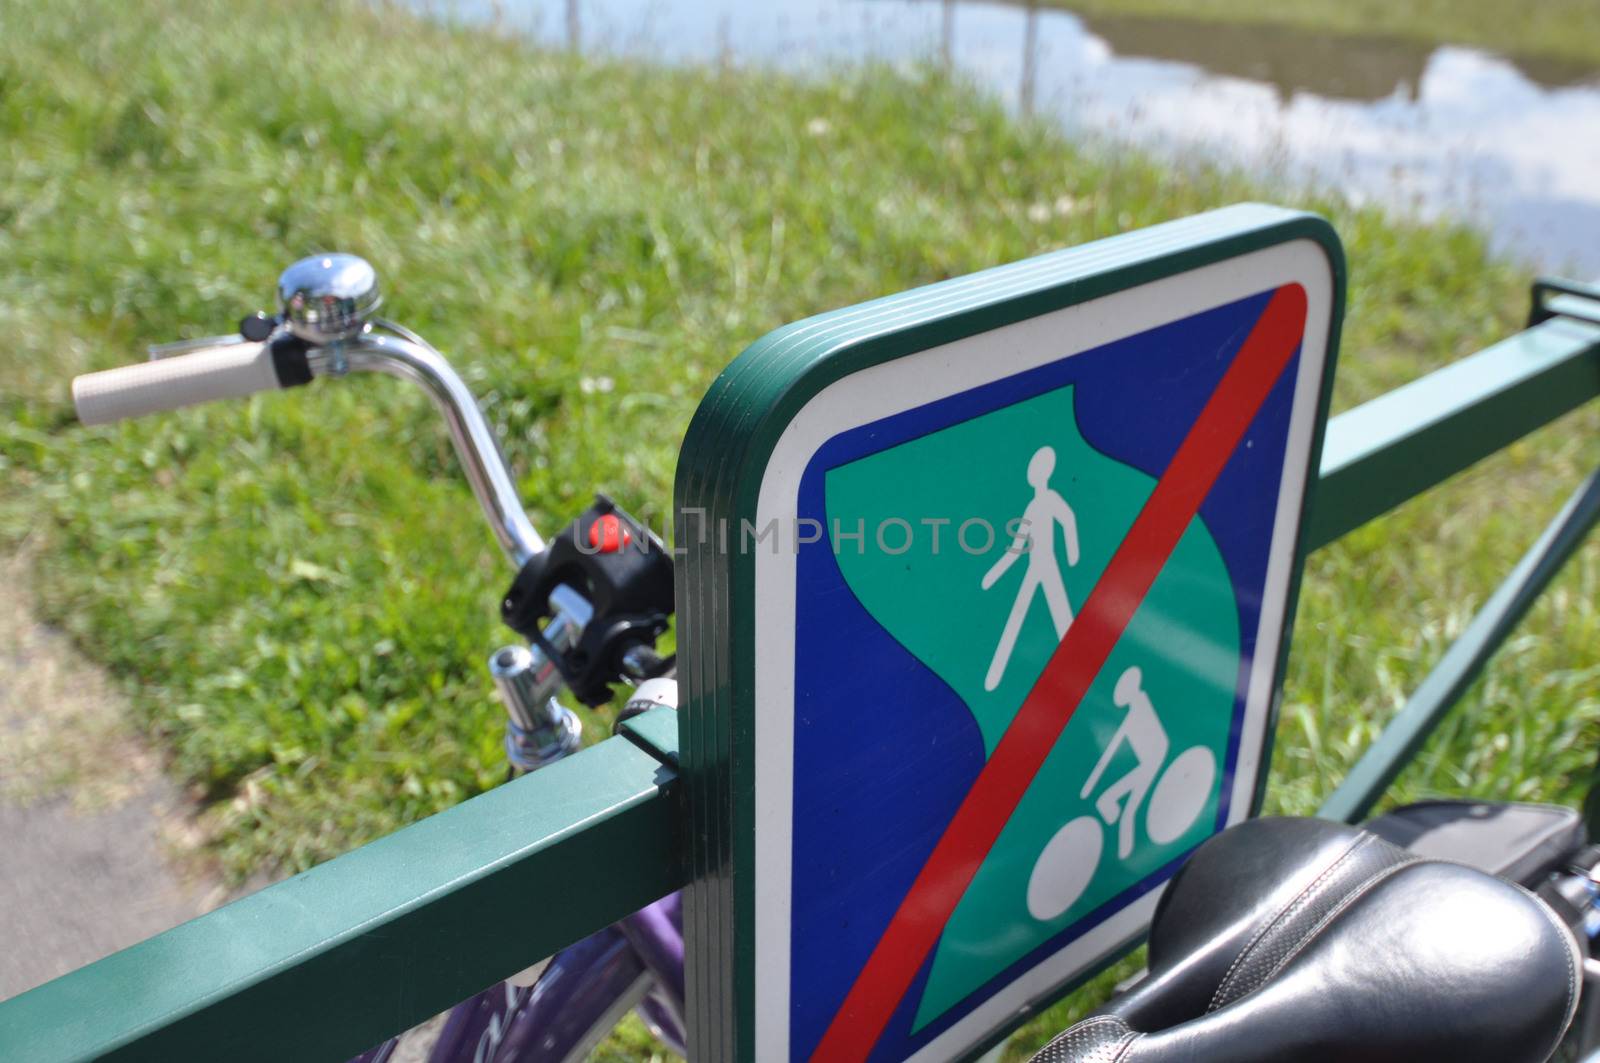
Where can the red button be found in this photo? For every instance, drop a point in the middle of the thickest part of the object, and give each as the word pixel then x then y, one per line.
pixel 607 535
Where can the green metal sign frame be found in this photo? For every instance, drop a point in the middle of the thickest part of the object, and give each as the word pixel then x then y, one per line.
pixel 729 450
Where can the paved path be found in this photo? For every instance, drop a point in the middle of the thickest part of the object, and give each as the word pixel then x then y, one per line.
pixel 89 825
pixel 76 886
pixel 96 844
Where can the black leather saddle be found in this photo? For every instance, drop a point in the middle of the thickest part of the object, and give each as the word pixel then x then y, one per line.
pixel 1311 941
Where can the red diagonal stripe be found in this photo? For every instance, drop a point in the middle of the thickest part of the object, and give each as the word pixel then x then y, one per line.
pixel 1200 459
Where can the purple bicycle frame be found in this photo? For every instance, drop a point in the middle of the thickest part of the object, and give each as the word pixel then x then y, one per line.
pixel 583 992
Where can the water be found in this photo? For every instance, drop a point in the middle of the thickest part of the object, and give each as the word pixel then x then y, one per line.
pixel 1511 146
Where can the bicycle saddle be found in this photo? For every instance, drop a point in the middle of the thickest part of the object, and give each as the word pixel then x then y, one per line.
pixel 1304 940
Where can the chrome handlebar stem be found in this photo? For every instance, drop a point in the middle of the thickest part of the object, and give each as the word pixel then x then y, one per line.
pixel 475 442
pixel 329 302
pixel 540 730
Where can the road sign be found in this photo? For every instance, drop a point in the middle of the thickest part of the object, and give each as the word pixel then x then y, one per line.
pixel 985 596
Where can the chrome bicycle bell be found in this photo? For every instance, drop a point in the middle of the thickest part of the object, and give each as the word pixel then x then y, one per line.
pixel 327 298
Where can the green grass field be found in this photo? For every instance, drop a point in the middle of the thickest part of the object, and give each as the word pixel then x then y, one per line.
pixel 1552 29
pixel 297 589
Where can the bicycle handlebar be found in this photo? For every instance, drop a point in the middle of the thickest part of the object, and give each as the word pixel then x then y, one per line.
pixel 226 371
pixel 234 370
pixel 476 446
pixel 325 327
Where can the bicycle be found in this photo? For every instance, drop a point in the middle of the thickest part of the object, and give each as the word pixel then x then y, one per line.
pixel 1263 945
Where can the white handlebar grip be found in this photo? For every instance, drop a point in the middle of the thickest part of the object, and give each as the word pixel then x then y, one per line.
pixel 226 372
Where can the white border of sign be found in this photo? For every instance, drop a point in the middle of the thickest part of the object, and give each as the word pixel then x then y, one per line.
pixel 906 383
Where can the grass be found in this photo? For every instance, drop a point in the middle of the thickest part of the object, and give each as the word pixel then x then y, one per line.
pixel 1555 29
pixel 297 591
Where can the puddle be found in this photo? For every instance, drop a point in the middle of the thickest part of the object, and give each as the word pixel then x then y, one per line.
pixel 1509 144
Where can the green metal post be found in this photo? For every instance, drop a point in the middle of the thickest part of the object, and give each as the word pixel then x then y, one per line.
pixel 1438 693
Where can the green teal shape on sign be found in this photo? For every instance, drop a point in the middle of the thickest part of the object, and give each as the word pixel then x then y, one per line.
pixel 1069 847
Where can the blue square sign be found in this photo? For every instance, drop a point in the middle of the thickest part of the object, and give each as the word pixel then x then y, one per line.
pixel 1020 577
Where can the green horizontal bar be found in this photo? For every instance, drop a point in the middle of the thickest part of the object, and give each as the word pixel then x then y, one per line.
pixel 1579 308
pixel 1400 444
pixel 335 960
pixel 1554 296
pixel 1437 694
pixel 655 732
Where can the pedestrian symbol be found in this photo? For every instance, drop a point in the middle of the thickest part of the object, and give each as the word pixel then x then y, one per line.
pixel 1035 539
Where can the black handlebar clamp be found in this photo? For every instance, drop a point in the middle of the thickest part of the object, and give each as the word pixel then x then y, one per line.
pixel 626 574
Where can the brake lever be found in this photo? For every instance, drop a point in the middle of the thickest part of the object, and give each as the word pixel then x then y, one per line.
pixel 160 351
pixel 253 328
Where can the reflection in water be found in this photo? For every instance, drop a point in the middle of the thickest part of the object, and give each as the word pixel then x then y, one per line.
pixel 1512 146
pixel 1292 60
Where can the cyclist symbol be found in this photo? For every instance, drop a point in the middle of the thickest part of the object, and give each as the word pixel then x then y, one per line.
pixel 1036 538
pixel 1069 860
